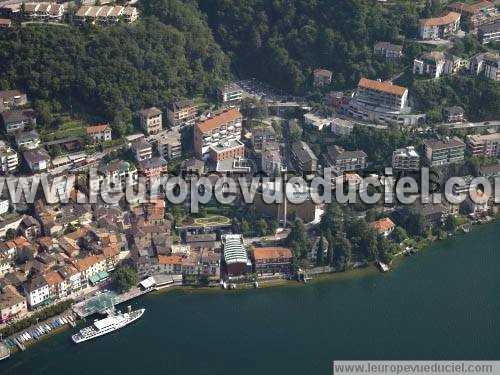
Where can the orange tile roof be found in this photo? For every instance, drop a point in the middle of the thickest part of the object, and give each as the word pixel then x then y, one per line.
pixel 383 225
pixel 83 264
pixel 5 21
pixel 97 129
pixel 53 277
pixel 382 86
pixel 79 233
pixel 470 8
pixel 218 120
pixel 169 259
pixel 443 20
pixel 260 253
pixel 110 251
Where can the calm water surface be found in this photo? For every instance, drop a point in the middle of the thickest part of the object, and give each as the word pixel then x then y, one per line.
pixel 441 304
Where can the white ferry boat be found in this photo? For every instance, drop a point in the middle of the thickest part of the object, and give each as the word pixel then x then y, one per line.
pixel 107 325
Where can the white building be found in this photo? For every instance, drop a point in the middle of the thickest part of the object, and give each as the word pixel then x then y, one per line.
pixel 36 291
pixel 405 159
pixel 316 121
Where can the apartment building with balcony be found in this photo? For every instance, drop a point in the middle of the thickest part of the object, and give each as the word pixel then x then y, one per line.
pixel 390 52
pixel 10 99
pixel 9 160
pixel 405 159
pixel 487 145
pixel 444 151
pixel 230 93
pixel 142 150
pixel 226 150
pixel 183 111
pixel 489 33
pixel 150 120
pixel 222 127
pixel 16 120
pixel 439 27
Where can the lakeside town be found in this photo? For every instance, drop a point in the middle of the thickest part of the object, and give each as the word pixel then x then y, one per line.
pixel 78 259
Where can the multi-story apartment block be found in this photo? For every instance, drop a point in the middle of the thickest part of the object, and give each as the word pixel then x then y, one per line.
pixel 434 64
pixel 342 127
pixel 390 52
pixel 44 11
pixel 445 151
pixel 454 114
pixel 9 160
pixel 272 260
pixel 142 150
pixel 226 150
pixel 105 15
pixel 36 291
pixel 181 112
pixel 303 158
pixel 38 159
pixel 10 99
pixel 476 14
pixel 169 145
pixel 487 145
pixel 322 77
pixel 12 304
pixel 223 127
pixel 489 33
pixel 99 133
pixel 17 120
pixel 382 102
pixel 271 162
pixel 151 120
pixel 492 67
pixel 230 93
pixel 117 173
pixel 28 140
pixel 261 136
pixel 439 27
pixel 406 159
pixel 154 167
pixel 338 158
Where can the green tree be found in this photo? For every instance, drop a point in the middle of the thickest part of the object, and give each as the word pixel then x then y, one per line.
pixel 10 234
pixel 399 234
pixel 125 278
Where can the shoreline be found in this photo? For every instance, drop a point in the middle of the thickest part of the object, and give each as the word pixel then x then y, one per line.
pixel 360 272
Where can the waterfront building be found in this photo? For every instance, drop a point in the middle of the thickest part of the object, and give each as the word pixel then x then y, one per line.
pixel 235 257
pixel 272 260
pixel 383 226
pixel 36 291
pixel 12 304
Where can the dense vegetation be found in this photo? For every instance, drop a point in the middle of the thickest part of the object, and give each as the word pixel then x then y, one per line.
pixel 110 72
pixel 283 41
pixel 125 278
pixel 479 97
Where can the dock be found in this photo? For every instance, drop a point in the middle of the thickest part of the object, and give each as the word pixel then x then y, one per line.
pixel 4 351
pixel 19 344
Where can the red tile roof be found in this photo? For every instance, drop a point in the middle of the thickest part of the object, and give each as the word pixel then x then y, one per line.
pixel 260 253
pixel 97 129
pixel 218 120
pixel 443 20
pixel 382 86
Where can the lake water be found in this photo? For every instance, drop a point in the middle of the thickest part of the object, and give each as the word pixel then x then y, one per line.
pixel 443 303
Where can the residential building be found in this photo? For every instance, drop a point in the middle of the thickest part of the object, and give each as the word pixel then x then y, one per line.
pixel 234 255
pixel 222 127
pixel 44 11
pixel 17 120
pixel 303 158
pixel 37 159
pixel 316 121
pixel 5 23
pixel 230 93
pixel 151 120
pixel 142 150
pixel 28 140
pixel 405 159
pixel 439 27
pixel 489 33
pixel 170 264
pixel 36 291
pixel 130 14
pixel 435 64
pixel 272 260
pixel 192 168
pixel 30 228
pixel 341 127
pixel 99 133
pixel 4 206
pixel 454 114
pixel 261 136
pixel 445 151
pixel 91 266
pixel 58 287
pixel 475 14
pixel 383 226
pixel 169 145
pixel 226 150
pixel 336 99
pixel 322 77
pixel 463 189
pixel 117 174
pixel 182 112
pixel 271 162
pixel 105 15
pixel 9 160
pixel 390 52
pixel 12 304
pixel 154 167
pixel 382 102
pixel 487 145
pixel 338 158
pixel 492 67
pixel 10 99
